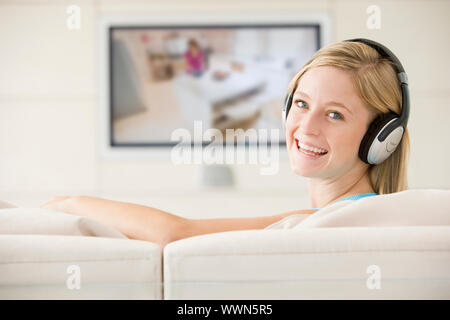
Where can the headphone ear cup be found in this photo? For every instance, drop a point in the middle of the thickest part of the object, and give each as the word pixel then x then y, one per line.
pixel 286 107
pixel 372 132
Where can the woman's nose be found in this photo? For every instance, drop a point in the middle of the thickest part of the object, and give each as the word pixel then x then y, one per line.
pixel 310 123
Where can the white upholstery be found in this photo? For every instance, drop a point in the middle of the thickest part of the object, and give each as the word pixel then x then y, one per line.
pixel 4 205
pixel 326 263
pixel 326 255
pixel 47 222
pixel 35 267
pixel 407 208
pixel 37 246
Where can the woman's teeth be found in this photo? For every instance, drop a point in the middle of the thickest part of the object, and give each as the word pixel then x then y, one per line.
pixel 311 149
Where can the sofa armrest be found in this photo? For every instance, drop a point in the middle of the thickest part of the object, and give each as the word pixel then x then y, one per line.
pixel 38 267
pixel 315 263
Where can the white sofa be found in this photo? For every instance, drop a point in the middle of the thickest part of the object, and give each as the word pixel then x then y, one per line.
pixel 45 254
pixel 295 258
pixel 326 263
pixel 38 267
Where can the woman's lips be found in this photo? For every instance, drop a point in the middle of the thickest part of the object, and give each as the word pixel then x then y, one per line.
pixel 310 147
pixel 308 153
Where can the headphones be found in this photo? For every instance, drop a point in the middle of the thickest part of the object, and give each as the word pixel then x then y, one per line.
pixel 386 131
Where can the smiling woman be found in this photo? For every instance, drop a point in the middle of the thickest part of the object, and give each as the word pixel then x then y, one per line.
pixel 322 141
pixel 335 98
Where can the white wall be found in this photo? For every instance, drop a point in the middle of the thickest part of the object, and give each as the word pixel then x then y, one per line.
pixel 49 109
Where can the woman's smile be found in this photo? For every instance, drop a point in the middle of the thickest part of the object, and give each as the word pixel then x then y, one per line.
pixel 308 152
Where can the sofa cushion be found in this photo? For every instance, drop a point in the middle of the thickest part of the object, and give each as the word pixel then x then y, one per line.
pixel 406 208
pixel 5 205
pixel 48 222
pixel 74 267
pixel 310 263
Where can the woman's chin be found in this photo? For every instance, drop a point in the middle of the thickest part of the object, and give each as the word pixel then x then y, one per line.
pixel 305 172
pixel 305 165
pixel 304 169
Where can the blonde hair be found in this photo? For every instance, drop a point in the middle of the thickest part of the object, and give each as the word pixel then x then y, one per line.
pixel 376 81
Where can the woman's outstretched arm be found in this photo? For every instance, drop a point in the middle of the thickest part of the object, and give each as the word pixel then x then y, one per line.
pixel 150 224
pixel 134 221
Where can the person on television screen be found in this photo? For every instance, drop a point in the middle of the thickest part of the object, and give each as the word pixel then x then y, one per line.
pixel 194 58
pixel 336 96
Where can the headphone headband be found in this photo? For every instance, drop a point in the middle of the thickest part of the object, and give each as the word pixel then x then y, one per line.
pixel 402 77
pixel 382 51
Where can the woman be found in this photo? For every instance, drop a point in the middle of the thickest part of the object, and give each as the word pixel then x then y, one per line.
pixel 336 95
pixel 194 59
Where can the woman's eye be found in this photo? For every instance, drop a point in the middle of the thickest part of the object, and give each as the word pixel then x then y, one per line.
pixel 337 116
pixel 301 104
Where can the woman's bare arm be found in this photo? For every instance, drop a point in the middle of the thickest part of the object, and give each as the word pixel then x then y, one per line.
pixel 204 226
pixel 133 220
pixel 150 224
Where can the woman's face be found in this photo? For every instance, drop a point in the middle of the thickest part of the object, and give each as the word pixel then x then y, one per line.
pixel 193 48
pixel 328 114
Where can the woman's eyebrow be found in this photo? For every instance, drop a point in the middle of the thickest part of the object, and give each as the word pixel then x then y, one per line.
pixel 334 103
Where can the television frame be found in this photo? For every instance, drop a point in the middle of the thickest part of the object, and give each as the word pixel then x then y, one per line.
pixel 162 151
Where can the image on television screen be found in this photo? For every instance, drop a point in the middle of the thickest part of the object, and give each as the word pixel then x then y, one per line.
pixel 224 77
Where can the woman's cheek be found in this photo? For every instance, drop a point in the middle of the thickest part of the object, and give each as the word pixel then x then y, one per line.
pixel 289 131
pixel 352 144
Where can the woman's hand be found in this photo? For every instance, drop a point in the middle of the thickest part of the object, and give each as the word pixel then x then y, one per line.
pixel 56 203
pixel 133 220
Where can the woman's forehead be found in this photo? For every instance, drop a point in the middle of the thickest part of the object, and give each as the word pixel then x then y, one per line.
pixel 332 79
pixel 326 83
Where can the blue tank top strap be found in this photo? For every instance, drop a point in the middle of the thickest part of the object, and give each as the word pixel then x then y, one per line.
pixel 355 197
pixel 358 196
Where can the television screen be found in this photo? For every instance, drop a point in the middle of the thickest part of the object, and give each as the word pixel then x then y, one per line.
pixel 163 78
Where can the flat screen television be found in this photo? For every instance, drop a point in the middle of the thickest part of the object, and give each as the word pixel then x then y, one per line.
pixel 221 75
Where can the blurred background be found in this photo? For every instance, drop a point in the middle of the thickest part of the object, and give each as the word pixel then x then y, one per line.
pixel 50 117
pixel 233 76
